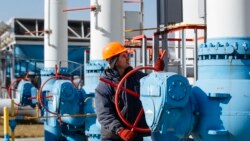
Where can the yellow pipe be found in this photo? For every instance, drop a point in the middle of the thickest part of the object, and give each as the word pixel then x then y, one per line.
pixel 12 136
pixel 12 115
pixel 56 116
pixel 12 108
pixel 37 106
pixel 6 129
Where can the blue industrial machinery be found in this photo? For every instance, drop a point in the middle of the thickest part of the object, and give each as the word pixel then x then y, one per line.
pixel 214 109
pixel 92 70
pixel 29 58
pixel 68 111
pixel 72 108
pixel 64 96
pixel 222 90
pixel 26 93
pixel 168 105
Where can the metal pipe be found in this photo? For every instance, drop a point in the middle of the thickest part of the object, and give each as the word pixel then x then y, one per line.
pixel 56 116
pixel 106 25
pixel 184 69
pixel 144 51
pixel 132 1
pixel 205 20
pixel 155 48
pixel 12 114
pixel 142 13
pixel 195 54
pixel 83 8
pixel 56 41
pixel 165 47
pixel 12 70
pixel 6 128
pixel 179 57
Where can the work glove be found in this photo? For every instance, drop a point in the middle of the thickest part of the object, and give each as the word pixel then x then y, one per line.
pixel 159 65
pixel 126 135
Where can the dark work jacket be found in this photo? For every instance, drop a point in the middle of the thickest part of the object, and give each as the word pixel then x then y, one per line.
pixel 130 106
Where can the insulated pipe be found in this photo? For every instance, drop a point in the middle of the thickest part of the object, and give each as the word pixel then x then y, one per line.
pixel 56 39
pixel 4 103
pixel 228 18
pixel 106 25
pixel 27 110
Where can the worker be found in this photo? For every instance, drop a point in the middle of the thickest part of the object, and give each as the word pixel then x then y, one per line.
pixel 112 128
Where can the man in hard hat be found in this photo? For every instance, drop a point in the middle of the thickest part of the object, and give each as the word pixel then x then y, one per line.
pixel 112 128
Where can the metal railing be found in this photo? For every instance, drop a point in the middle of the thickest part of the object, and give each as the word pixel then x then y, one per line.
pixel 176 47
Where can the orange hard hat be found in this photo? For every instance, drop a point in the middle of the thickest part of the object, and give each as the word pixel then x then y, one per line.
pixel 112 49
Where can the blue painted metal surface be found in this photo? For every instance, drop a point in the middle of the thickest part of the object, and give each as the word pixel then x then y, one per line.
pixel 93 70
pixel 92 130
pixel 12 124
pixel 6 137
pixel 67 100
pixel 166 99
pixel 222 90
pixel 29 58
pixel 26 90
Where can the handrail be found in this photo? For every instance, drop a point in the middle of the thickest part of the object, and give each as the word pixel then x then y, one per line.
pixel 136 42
pixel 171 27
pixel 174 28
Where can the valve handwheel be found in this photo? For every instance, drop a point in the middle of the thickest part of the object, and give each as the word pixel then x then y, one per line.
pixel 11 88
pixel 130 125
pixel 39 94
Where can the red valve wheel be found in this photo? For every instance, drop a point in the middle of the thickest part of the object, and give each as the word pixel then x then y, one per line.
pixel 11 88
pixel 119 87
pixel 39 94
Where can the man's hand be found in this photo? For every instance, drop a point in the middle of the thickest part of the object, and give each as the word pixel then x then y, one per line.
pixel 159 64
pixel 126 135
